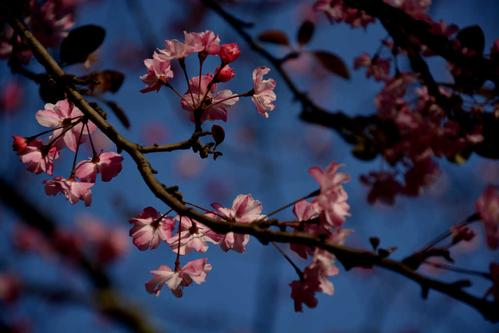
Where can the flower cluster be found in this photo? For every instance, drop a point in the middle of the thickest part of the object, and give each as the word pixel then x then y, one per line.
pixel 69 129
pixel 202 100
pixel 150 228
pixel 337 11
pixel 323 216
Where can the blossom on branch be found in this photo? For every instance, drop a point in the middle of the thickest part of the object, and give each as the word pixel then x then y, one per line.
pixel 35 155
pixel 263 91
pixel 202 96
pixel 193 236
pixel 244 210
pixel 158 74
pixel 194 271
pixel 72 189
pixel 332 200
pixel 108 164
pixel 67 121
pixel 149 228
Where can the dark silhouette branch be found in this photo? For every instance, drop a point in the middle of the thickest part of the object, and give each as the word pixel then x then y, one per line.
pixel 106 299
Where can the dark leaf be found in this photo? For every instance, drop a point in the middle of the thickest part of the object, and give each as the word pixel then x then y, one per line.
pixel 101 82
pixel 332 63
pixel 119 113
pixel 305 32
pixel 274 36
pixel 218 134
pixel 472 37
pixel 80 43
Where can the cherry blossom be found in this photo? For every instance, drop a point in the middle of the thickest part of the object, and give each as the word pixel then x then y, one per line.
pixel 10 287
pixel 487 206
pixel 244 209
pixel 67 121
pixel 314 279
pixel 229 53
pixel 225 74
pixel 214 105
pixel 338 11
pixel 72 189
pixel 263 91
pixel 35 155
pixel 207 42
pixel 108 164
pixel 384 187
pixel 332 199
pixel 194 271
pixel 174 50
pixel 106 244
pixel 193 236
pixel 305 212
pixel 149 228
pixel 159 73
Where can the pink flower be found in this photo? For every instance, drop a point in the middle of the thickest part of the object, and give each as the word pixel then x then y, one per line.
pixel 332 199
pixel 106 244
pixel 149 228
pixel 62 117
pixel 487 206
pixel 11 96
pixel 193 271
pixel 207 42
pixel 314 279
pixel 214 104
pixel 10 287
pixel 159 72
pixel 194 236
pixel 174 50
pixel 306 211
pixel 384 187
pixel 244 210
pixel 108 164
pixel 229 53
pixel 72 190
pixel 225 74
pixel 19 143
pixel 263 91
pixel 35 155
pixel 338 11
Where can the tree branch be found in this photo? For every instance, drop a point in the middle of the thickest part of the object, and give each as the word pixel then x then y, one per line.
pixel 348 256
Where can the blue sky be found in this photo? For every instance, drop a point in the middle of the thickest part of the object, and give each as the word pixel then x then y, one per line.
pixel 249 292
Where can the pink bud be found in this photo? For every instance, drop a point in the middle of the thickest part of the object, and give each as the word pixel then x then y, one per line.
pixel 225 74
pixel 229 52
pixel 19 143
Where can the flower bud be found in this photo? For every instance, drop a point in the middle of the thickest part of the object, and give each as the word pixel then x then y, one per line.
pixel 19 143
pixel 225 74
pixel 229 52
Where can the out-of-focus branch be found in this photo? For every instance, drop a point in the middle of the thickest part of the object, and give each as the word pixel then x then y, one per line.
pixel 105 298
pixel 349 257
pixel 439 44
